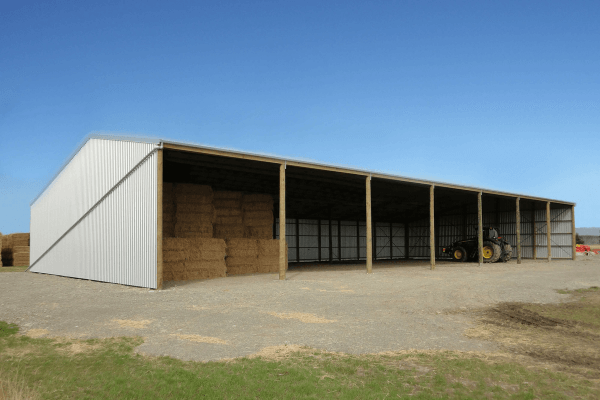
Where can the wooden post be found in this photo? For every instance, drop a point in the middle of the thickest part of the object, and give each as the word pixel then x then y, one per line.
pixel 480 228
pixel 391 246
pixel 297 241
pixel 534 232
pixel 369 231
pixel 431 227
pixel 159 220
pixel 548 231
pixel 574 233
pixel 319 236
pixel 330 240
pixel 357 241
pixel 518 230
pixel 464 223
pixel 406 240
pixel 282 241
pixel 339 240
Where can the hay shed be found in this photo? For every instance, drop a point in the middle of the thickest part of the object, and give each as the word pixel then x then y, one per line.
pixel 138 212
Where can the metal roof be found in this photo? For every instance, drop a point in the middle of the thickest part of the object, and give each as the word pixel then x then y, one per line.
pixel 304 163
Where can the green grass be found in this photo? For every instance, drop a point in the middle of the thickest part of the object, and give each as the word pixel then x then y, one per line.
pixel 109 369
pixel 13 269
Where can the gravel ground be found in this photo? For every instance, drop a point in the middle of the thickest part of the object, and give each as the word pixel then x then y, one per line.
pixel 402 305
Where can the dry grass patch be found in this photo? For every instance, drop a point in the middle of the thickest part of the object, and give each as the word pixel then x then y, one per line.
pixel 133 324
pixel 303 317
pixel 200 339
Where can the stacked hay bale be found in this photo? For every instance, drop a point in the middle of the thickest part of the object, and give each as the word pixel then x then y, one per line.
pixel 229 217
pixel 242 256
pixel 194 211
pixel 168 210
pixel 268 255
pixel 7 250
pixel 20 249
pixel 258 216
pixel 193 258
pixel 21 256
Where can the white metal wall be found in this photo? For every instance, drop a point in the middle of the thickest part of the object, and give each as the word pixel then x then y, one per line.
pixel 97 222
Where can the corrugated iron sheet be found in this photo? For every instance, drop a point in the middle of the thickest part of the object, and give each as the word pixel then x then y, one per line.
pixel 97 222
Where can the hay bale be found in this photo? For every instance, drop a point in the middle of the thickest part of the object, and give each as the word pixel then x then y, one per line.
pixel 193 198
pixel 257 198
pixel 202 230
pixel 193 189
pixel 258 232
pixel 228 203
pixel 228 212
pixel 228 231
pixel 240 248
pixel 229 219
pixel 227 195
pixel 7 242
pixel 207 216
pixel 194 208
pixel 198 258
pixel 20 239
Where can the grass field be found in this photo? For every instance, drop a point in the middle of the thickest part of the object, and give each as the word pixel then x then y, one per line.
pixel 549 351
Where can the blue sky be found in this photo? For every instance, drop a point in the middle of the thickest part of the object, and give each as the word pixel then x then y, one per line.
pixel 502 95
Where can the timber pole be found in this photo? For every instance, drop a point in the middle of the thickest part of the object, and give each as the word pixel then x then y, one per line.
pixel 574 233
pixel 480 228
pixel 282 241
pixel 534 228
pixel 159 220
pixel 432 226
pixel 369 229
pixel 548 231
pixel 518 230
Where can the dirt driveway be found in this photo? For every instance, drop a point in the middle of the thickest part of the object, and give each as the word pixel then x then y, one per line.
pixel 401 305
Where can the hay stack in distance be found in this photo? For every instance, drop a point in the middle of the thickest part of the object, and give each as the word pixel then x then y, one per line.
pixel 194 211
pixel 229 218
pixel 21 256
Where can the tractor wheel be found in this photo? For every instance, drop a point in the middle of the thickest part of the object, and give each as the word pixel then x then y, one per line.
pixel 459 254
pixel 508 249
pixel 491 252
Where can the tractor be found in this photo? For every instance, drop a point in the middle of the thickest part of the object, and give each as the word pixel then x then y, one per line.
pixel 494 248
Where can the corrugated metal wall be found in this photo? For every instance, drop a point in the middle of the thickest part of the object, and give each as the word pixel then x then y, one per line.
pixel 389 239
pixel 116 241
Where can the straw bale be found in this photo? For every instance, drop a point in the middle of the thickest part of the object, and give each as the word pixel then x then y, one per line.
pixel 228 212
pixel 168 229
pixel 194 217
pixel 20 239
pixel 174 266
pixel 229 219
pixel 257 222
pixel 258 206
pixel 228 203
pixel 20 249
pixel 257 198
pixel 241 243
pixel 193 198
pixel 228 231
pixel 167 275
pixel 268 247
pixel 241 261
pixel 258 232
pixel 7 242
pixel 227 195
pixel 239 270
pixel 192 188
pixel 173 256
pixel 194 235
pixel 194 208
pixel 203 227
pixel 179 276
pixel 201 244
